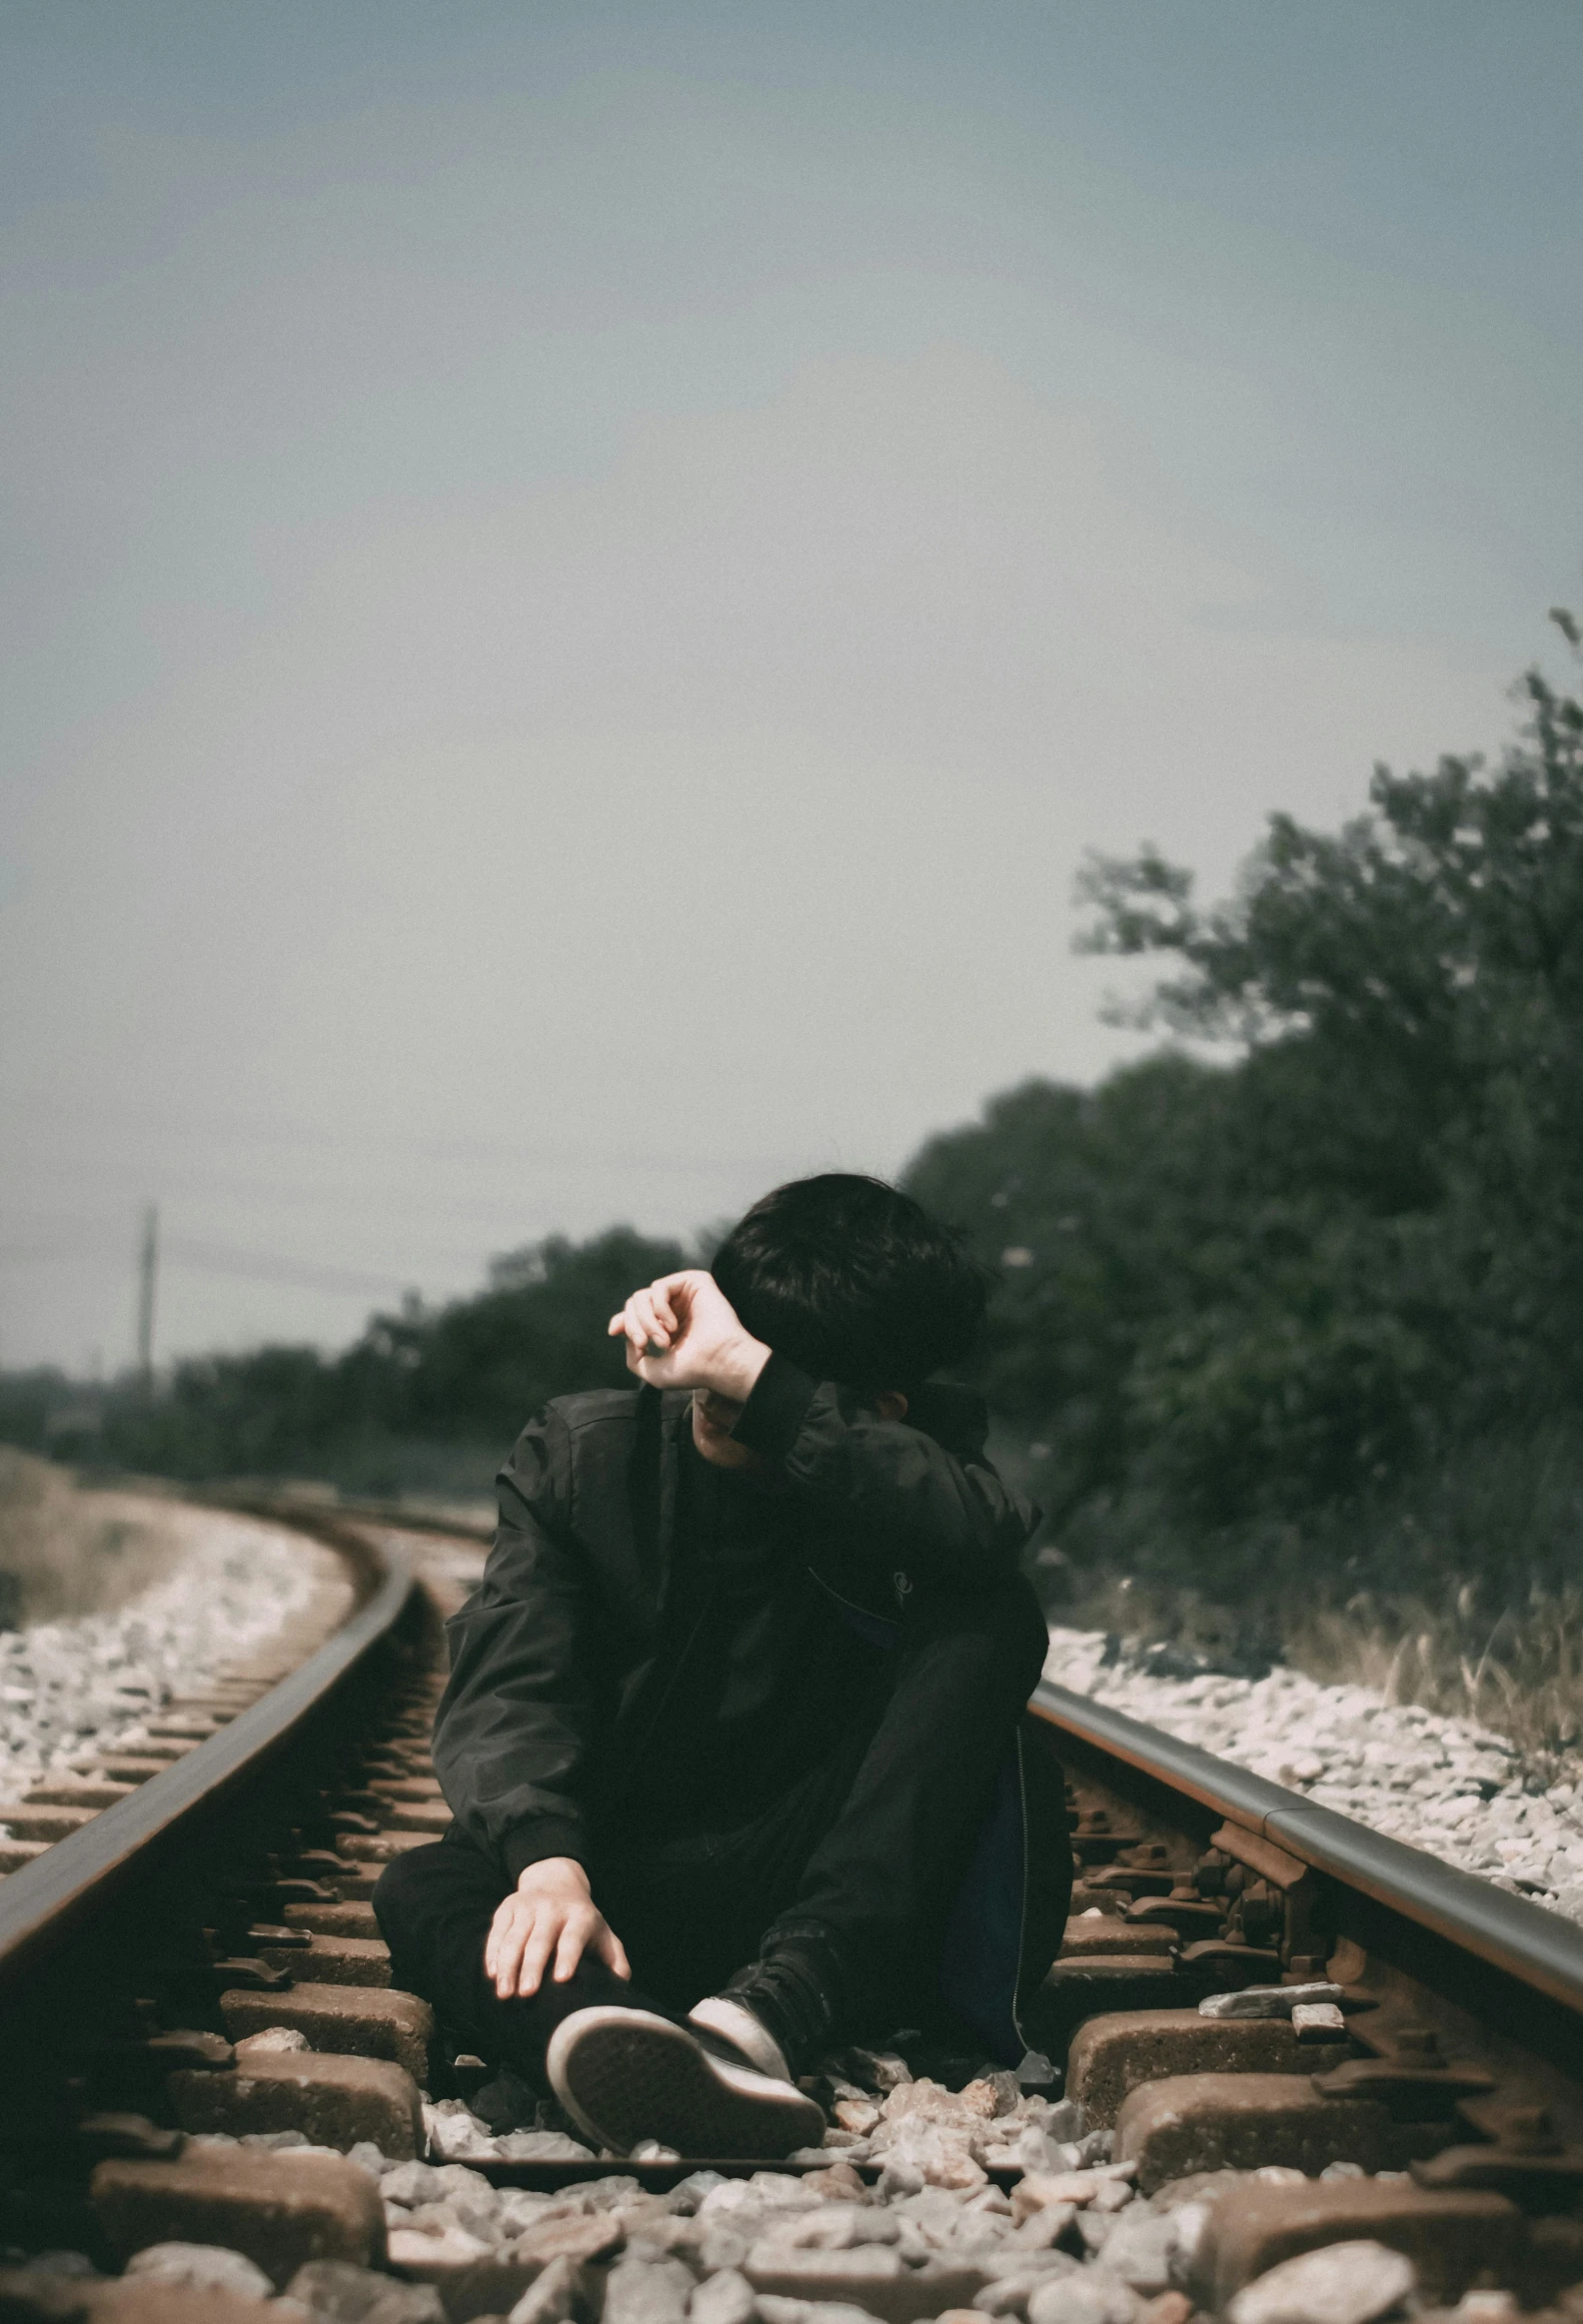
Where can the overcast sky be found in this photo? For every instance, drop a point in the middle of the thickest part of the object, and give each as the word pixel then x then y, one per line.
pixel 578 579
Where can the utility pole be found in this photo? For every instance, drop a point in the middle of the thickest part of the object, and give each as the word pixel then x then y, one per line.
pixel 148 1271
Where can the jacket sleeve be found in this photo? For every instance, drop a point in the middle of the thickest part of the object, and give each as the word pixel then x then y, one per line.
pixel 945 1513
pixel 517 1721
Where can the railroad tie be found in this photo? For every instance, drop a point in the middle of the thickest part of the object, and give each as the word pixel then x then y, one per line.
pixel 1455 2241
pixel 1113 2055
pixel 333 2100
pixel 362 2020
pixel 279 2210
pixel 328 1960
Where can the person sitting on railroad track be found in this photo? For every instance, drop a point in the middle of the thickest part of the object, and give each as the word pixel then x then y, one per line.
pixel 734 1733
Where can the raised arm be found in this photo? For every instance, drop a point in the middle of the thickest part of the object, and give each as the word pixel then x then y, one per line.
pixel 932 1500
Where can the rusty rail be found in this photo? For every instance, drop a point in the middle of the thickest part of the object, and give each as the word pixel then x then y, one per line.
pixel 45 1900
pixel 1523 1940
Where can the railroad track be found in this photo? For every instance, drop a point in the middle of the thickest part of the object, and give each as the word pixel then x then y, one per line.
pixel 194 1906
pixel 1450 2068
pixel 161 1961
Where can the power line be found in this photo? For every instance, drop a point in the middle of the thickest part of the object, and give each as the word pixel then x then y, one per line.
pixel 270 1267
pixel 93 1240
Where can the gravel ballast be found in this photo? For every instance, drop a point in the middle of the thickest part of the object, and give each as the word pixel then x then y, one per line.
pixel 1072 2241
pixel 1440 1783
pixel 68 1688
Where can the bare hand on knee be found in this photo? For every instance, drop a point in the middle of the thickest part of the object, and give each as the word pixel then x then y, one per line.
pixel 549 1916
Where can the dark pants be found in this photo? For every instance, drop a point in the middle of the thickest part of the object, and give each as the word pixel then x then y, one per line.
pixel 864 1856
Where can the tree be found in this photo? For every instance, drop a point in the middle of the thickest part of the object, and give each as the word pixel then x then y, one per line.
pixel 1232 1297
pixel 1099 1210
pixel 484 1366
pixel 1409 993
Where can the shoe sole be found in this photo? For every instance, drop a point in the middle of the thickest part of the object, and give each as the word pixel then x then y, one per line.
pixel 627 2075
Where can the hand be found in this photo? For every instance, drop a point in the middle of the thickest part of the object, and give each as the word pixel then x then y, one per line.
pixel 682 1331
pixel 550 1913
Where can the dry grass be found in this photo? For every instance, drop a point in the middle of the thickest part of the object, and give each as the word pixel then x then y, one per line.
pixel 65 1553
pixel 1458 1586
pixel 1516 1669
pixel 1520 1671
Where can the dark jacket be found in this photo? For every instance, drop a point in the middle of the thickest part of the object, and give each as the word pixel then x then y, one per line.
pixel 563 1660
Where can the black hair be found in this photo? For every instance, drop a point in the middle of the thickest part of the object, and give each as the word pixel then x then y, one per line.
pixel 854 1281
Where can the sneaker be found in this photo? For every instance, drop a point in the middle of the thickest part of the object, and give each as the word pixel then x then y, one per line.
pixel 625 2075
pixel 737 2025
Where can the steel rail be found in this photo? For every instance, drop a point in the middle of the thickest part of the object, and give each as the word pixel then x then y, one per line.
pixel 355 1508
pixel 48 1898
pixel 1538 1948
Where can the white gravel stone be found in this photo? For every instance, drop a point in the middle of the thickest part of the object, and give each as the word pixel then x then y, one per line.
pixel 1268 2001
pixel 1142 2252
pixel 1444 1784
pixel 838 2227
pixel 775 2309
pixel 1345 2283
pixel 1055 2251
pixel 438 2255
pixel 1319 2022
pixel 540 2146
pixel 727 2298
pixel 1091 2297
pixel 62 2263
pixel 210 2267
pixel 555 2295
pixel 270 2040
pixel 642 2291
pixel 456 2135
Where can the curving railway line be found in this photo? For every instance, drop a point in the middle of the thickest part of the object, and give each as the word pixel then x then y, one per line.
pixel 1280 2026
